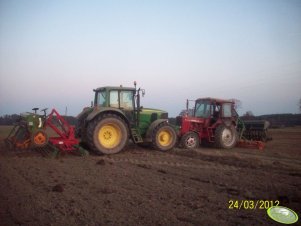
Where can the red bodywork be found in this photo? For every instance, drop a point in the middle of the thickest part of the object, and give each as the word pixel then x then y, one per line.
pixel 251 144
pixel 204 126
pixel 65 141
pixel 197 125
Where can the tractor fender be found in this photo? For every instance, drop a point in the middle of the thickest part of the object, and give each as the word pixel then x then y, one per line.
pixel 152 126
pixel 84 113
pixel 99 111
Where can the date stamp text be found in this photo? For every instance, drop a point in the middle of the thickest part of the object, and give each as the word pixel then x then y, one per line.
pixel 251 204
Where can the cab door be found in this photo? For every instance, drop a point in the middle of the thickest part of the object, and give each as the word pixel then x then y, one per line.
pixel 126 103
pixel 203 110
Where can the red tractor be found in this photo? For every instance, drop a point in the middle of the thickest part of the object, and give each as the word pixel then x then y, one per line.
pixel 215 121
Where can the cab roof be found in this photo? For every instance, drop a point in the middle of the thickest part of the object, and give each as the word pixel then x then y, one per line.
pixel 113 88
pixel 215 100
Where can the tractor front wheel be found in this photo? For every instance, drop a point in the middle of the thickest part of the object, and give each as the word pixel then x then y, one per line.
pixel 190 140
pixel 164 137
pixel 225 137
pixel 107 134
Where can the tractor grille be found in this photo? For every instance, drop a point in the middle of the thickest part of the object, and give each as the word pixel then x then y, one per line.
pixel 154 117
pixel 164 116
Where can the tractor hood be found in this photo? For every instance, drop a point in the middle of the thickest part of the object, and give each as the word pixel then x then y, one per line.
pixel 152 110
pixel 153 113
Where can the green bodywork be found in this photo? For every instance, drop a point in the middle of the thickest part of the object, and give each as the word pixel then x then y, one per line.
pixel 33 121
pixel 124 102
pixel 27 125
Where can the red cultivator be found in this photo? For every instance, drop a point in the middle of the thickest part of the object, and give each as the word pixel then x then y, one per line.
pixel 32 131
pixel 65 141
pixel 251 144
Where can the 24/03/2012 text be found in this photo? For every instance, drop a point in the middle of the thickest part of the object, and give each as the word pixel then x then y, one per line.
pixel 251 204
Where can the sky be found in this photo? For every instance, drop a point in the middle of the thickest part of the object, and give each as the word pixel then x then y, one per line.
pixel 54 53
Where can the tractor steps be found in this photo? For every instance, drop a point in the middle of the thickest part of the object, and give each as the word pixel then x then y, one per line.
pixel 136 136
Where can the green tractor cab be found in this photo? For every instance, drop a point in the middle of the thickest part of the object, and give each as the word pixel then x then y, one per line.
pixel 116 116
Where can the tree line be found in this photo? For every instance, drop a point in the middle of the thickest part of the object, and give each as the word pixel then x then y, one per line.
pixel 8 120
pixel 276 120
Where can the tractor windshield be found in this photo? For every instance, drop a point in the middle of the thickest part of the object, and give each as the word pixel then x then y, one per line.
pixel 101 98
pixel 126 100
pixel 122 99
pixel 202 109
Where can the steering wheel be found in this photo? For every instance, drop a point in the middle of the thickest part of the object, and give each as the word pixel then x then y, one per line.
pixel 35 110
pixel 45 109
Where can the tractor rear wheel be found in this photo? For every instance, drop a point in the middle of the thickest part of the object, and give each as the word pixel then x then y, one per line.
pixel 164 137
pixel 225 137
pixel 190 140
pixel 107 134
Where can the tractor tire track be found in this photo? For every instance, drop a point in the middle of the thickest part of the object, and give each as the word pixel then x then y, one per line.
pixel 171 162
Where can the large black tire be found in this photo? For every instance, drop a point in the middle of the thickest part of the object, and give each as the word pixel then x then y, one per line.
pixel 190 140
pixel 164 137
pixel 78 128
pixel 80 133
pixel 225 137
pixel 107 134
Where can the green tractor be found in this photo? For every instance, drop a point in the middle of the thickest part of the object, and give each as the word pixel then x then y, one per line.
pixel 116 116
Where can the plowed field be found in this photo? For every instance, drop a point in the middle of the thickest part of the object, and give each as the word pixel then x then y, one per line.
pixel 141 186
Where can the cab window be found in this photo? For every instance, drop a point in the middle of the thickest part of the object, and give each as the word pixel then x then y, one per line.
pixel 202 109
pixel 126 100
pixel 101 98
pixel 114 99
pixel 227 110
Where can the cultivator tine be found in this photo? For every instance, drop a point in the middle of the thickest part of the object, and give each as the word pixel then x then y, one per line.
pixel 8 143
pixel 44 151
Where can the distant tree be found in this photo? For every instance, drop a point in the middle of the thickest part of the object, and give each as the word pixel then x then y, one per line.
pixel 248 115
pixel 185 112
pixel 71 120
pixel 9 119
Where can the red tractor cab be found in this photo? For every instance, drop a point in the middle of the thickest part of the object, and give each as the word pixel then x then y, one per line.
pixel 211 121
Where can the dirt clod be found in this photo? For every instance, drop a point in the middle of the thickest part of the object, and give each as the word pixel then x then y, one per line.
pixel 101 162
pixel 58 188
pixel 144 166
